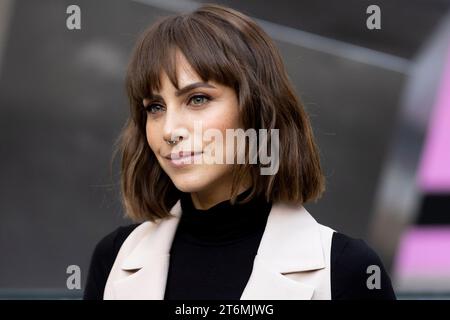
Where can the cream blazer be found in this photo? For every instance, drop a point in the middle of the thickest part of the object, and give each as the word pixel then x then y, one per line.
pixel 292 261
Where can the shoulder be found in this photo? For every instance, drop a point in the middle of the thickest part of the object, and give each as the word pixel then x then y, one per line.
pixel 111 243
pixel 357 271
pixel 102 260
pixel 348 249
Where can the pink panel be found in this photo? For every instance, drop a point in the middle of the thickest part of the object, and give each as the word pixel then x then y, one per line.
pixel 434 171
pixel 424 251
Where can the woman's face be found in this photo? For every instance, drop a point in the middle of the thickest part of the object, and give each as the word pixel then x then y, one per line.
pixel 171 115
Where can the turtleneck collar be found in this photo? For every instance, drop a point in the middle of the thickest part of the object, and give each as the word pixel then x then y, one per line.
pixel 223 223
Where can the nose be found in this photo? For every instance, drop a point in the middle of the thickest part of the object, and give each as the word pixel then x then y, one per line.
pixel 173 128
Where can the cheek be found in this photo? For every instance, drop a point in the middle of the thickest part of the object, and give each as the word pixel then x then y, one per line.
pixel 225 117
pixel 152 137
pixel 220 123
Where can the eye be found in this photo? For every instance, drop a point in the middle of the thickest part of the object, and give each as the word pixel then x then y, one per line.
pixel 154 108
pixel 199 99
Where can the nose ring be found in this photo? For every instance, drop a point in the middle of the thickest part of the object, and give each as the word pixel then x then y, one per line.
pixel 170 142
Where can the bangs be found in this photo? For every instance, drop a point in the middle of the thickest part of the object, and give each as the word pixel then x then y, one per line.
pixel 209 50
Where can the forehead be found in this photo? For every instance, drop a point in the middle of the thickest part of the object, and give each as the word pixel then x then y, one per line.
pixel 184 72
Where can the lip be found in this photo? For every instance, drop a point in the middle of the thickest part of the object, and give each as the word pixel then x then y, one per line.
pixel 182 158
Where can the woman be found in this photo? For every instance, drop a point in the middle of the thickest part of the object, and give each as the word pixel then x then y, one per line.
pixel 214 227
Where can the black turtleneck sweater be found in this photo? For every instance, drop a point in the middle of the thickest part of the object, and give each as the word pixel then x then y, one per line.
pixel 213 250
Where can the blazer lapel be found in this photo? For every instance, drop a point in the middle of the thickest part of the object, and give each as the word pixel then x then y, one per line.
pixel 291 243
pixel 147 266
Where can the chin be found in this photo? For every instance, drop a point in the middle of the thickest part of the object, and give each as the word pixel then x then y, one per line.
pixel 190 182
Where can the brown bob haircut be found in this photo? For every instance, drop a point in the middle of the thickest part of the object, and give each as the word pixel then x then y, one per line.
pixel 228 47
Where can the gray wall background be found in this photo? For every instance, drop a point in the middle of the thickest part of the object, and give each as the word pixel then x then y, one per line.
pixel 62 105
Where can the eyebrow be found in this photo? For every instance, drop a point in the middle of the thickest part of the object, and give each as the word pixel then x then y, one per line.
pixel 186 89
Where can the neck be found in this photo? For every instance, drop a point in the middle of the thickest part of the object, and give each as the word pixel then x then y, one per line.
pixel 224 222
pixel 208 198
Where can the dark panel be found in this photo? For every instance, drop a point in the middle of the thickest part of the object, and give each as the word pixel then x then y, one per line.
pixel 435 209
